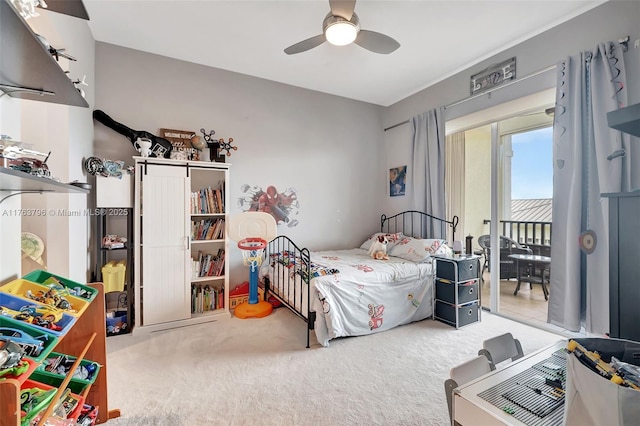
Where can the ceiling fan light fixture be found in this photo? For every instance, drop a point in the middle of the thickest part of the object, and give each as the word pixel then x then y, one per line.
pixel 341 33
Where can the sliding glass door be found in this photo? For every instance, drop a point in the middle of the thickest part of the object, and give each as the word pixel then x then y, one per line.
pixel 507 185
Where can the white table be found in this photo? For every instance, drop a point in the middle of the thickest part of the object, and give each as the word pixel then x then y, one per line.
pixel 471 409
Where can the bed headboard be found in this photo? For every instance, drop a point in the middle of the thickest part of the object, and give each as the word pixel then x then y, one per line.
pixel 420 225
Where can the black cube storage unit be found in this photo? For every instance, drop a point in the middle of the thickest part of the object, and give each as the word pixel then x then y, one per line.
pixel 457 293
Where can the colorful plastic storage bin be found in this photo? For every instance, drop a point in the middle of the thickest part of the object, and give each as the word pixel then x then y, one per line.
pixel 49 340
pixel 83 291
pixel 14 304
pixel 113 274
pixel 20 377
pixel 76 384
pixel 31 415
pixel 22 287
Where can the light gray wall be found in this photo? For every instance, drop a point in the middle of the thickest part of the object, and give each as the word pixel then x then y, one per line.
pixel 610 21
pixel 326 147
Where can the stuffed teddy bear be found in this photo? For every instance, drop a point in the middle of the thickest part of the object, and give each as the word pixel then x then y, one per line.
pixel 378 249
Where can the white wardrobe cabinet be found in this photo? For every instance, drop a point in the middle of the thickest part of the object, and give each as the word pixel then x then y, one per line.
pixel 174 198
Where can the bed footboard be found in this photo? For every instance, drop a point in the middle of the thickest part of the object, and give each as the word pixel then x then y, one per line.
pixel 291 268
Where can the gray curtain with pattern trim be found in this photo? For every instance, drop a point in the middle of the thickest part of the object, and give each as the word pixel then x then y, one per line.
pixel 589 85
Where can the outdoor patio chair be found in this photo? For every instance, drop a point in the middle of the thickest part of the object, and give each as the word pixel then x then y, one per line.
pixel 508 267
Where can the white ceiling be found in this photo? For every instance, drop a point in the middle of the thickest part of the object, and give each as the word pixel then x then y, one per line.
pixel 438 38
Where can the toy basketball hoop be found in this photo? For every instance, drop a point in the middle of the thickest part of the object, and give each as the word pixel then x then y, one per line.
pixel 252 230
pixel 252 251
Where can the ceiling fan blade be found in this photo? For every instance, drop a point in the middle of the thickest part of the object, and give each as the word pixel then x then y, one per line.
pixel 342 8
pixel 305 45
pixel 376 42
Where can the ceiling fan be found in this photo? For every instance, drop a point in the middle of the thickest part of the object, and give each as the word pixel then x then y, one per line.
pixel 340 27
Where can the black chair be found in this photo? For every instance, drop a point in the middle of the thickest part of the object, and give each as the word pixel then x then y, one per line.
pixel 508 267
pixel 483 242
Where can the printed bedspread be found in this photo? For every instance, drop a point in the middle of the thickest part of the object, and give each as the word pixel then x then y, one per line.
pixel 354 295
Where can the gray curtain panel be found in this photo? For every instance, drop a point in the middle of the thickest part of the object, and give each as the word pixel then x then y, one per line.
pixel 428 164
pixel 589 85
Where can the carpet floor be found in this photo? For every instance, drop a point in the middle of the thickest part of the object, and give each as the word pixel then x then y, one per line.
pixel 258 372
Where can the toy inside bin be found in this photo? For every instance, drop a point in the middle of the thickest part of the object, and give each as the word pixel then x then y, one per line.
pixel 113 274
pixel 37 342
pixel 15 305
pixel 118 323
pixel 117 318
pixel 55 367
pixel 79 290
pixel 52 295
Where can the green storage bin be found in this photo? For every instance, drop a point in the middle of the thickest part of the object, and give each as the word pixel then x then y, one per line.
pixel 76 385
pixel 35 332
pixel 20 287
pixel 40 276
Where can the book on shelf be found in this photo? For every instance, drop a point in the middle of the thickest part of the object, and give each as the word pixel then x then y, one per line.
pixel 206 298
pixel 207 229
pixel 208 200
pixel 208 264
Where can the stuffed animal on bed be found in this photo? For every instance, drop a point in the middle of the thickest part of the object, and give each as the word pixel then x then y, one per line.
pixel 378 249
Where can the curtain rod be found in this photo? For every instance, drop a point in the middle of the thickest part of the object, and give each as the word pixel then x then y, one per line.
pixel 461 101
pixel 624 41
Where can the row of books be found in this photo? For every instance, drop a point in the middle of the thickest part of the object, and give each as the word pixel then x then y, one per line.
pixel 207 229
pixel 208 200
pixel 208 265
pixel 206 298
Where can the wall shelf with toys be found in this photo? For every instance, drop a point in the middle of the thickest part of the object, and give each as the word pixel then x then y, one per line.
pixel 28 70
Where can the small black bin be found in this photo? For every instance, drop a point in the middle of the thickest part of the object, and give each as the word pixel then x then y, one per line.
pixel 467 314
pixel 467 292
pixel 467 269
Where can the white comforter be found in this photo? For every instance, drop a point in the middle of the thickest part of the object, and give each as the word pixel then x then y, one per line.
pixel 366 295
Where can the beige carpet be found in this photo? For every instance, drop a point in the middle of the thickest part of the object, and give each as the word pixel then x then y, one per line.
pixel 258 372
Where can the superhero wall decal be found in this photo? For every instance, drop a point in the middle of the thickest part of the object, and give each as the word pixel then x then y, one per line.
pixel 281 205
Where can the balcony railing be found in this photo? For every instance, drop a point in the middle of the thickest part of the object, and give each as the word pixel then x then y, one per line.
pixel 536 235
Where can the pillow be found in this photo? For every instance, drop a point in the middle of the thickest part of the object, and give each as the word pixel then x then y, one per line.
pixel 392 238
pixel 419 250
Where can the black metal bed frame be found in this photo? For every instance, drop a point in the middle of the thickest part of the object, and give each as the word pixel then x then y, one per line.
pixel 282 250
pixel 413 223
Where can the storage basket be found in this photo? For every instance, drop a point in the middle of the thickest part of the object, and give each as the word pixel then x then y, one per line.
pixel 76 384
pixel 79 290
pixel 593 399
pixel 32 415
pixel 13 304
pixel 8 326
pixel 22 287
pixel 113 274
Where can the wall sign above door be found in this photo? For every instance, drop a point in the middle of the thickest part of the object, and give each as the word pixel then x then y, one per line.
pixel 493 76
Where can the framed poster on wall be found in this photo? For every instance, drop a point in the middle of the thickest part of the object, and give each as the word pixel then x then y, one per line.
pixel 397 180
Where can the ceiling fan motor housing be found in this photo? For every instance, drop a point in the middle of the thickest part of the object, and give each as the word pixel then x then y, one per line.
pixel 331 20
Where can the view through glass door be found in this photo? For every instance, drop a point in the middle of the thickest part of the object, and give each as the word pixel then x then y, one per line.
pixel 508 171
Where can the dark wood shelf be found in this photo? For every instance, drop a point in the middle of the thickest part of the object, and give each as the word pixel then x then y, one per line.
pixel 626 119
pixel 15 180
pixel 68 7
pixel 26 64
pixel 116 249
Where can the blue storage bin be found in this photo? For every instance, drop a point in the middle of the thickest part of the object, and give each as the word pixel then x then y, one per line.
pixel 11 305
